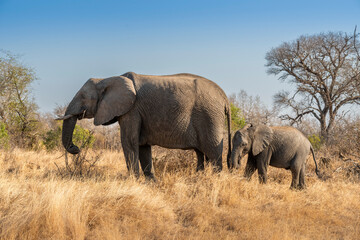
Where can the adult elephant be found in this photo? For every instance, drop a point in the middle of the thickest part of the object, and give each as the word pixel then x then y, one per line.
pixel 282 147
pixel 183 111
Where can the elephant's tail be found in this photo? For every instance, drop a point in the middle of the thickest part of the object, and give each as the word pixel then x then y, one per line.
pixel 228 118
pixel 316 166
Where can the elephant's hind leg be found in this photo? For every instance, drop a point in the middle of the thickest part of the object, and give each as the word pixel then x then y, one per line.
pixel 200 160
pixel 295 172
pixel 302 178
pixel 214 155
pixel 297 168
pixel 146 162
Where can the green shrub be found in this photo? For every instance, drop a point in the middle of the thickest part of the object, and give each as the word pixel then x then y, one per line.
pixel 52 139
pixel 81 137
pixel 315 141
pixel 237 118
pixel 4 137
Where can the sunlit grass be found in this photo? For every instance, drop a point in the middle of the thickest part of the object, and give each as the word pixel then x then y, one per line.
pixel 36 202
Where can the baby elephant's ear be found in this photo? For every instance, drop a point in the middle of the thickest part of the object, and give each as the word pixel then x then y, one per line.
pixel 262 138
pixel 117 97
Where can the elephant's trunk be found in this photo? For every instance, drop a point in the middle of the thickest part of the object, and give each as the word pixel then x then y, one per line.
pixel 67 134
pixel 235 155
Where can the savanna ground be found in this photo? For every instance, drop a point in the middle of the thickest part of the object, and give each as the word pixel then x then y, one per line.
pixel 40 200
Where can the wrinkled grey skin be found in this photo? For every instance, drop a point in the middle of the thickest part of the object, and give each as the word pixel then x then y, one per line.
pixel 181 111
pixel 282 147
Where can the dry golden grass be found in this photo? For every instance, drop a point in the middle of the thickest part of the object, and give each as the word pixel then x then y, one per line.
pixel 37 203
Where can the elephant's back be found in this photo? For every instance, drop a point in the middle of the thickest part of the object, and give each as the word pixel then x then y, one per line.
pixel 200 86
pixel 287 132
pixel 288 141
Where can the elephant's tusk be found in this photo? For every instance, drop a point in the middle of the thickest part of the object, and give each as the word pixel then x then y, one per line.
pixel 64 117
pixel 84 113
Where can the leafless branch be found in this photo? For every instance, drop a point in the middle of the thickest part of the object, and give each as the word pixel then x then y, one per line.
pixel 356 50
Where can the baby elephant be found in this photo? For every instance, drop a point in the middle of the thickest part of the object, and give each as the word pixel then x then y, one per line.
pixel 282 147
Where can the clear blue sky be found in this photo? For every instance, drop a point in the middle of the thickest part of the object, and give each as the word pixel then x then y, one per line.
pixel 67 42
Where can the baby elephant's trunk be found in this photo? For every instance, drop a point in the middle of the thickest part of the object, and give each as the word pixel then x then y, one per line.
pixel 234 160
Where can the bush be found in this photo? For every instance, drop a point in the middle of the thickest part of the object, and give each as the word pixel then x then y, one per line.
pixel 4 137
pixel 346 136
pixel 51 139
pixel 237 118
pixel 81 137
pixel 315 141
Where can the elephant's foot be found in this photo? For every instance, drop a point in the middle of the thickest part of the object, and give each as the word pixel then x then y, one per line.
pixel 248 174
pixel 298 187
pixel 150 177
pixel 217 169
pixel 247 177
pixel 200 168
pixel 262 179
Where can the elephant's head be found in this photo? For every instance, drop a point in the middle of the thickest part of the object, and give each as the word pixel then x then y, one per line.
pixel 250 138
pixel 102 99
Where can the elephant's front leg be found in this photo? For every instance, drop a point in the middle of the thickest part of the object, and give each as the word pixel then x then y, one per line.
pixel 131 153
pixel 130 132
pixel 262 172
pixel 146 161
pixel 262 163
pixel 250 168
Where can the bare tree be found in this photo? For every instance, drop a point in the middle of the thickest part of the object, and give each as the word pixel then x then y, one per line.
pixel 325 71
pixel 252 108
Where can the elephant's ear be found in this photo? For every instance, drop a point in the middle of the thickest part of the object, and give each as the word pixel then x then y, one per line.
pixel 117 96
pixel 262 138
